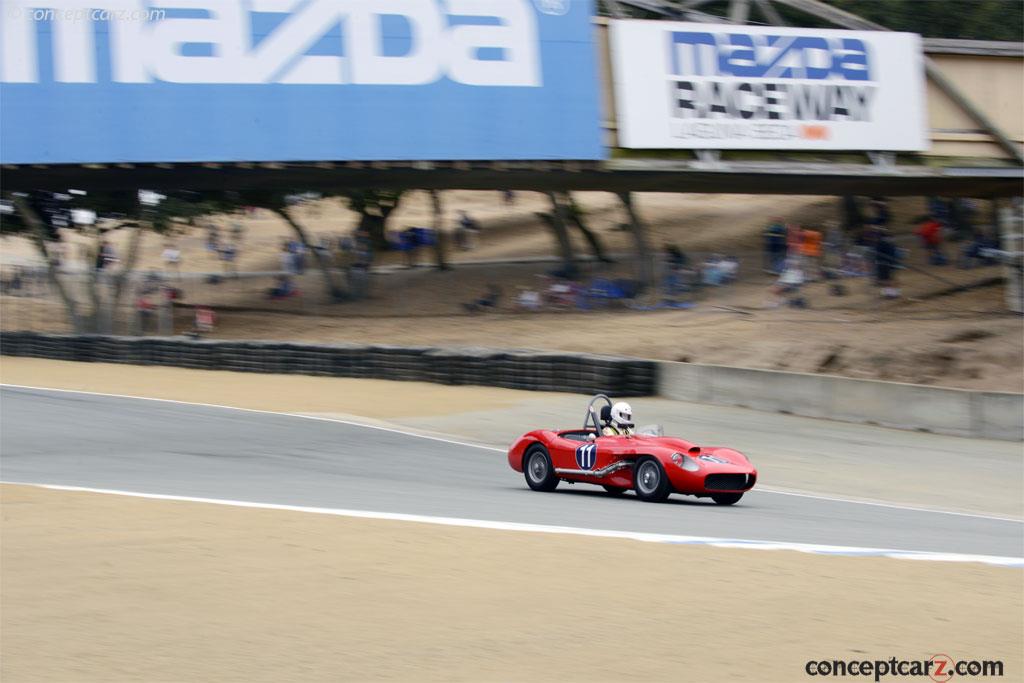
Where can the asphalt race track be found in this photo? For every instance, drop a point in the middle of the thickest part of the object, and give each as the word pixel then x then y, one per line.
pixel 177 449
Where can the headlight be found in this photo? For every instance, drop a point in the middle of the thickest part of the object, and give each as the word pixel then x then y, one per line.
pixel 688 464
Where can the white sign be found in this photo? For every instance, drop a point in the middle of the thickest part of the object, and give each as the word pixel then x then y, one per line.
pixel 708 86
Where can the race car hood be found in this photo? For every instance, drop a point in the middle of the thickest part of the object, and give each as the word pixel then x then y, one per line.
pixel 720 454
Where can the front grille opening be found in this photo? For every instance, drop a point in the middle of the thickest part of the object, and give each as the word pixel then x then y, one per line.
pixel 727 482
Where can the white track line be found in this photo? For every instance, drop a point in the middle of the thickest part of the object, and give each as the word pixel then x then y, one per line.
pixel 420 435
pixel 811 548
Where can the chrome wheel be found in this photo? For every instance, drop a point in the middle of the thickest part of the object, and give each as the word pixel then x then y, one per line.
pixel 648 477
pixel 650 481
pixel 538 467
pixel 540 474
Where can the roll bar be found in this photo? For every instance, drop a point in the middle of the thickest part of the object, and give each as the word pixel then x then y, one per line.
pixel 591 418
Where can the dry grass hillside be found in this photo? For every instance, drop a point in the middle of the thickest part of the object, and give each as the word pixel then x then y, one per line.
pixel 935 334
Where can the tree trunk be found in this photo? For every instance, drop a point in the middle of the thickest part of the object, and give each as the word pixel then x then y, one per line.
pixel 853 217
pixel 122 278
pixel 38 231
pixel 374 226
pixel 557 222
pixel 577 219
pixel 644 260
pixel 92 275
pixel 334 291
pixel 440 237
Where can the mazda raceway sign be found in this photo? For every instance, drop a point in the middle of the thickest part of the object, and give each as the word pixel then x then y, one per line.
pixel 701 86
pixel 297 80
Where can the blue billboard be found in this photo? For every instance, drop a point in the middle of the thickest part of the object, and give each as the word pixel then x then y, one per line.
pixel 106 81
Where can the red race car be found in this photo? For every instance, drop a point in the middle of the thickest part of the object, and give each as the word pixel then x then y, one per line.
pixel 643 460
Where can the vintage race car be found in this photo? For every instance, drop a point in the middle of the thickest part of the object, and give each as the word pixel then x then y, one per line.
pixel 651 464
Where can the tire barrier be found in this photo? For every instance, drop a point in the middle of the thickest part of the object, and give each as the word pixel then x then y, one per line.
pixel 573 373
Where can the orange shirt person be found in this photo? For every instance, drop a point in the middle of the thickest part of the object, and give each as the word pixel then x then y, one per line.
pixel 810 243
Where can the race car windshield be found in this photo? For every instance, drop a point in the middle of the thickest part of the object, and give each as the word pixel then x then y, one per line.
pixel 650 430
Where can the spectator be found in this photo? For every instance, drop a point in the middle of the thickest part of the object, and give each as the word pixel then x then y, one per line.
pixel 810 250
pixel 833 247
pixel 675 265
pixel 145 309
pixel 882 214
pixel 528 299
pixel 774 246
pixel 979 251
pixel 237 232
pixel 343 256
pixel 12 285
pixel 467 232
pixel 509 196
pixel 408 241
pixel 930 232
pixel 489 300
pixel 961 219
pixel 789 283
pixel 675 257
pixel 561 293
pixel 288 264
pixel 283 288
pixel 717 269
pixel 105 256
pixel 886 261
pixel 298 251
pixel 362 259
pixel 172 258
pixel 212 238
pixel 228 252
pixel 730 268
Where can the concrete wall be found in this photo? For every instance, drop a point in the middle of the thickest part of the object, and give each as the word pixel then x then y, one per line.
pixel 960 412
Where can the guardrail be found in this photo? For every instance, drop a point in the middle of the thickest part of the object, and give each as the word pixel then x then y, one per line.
pixel 538 371
pixel 960 412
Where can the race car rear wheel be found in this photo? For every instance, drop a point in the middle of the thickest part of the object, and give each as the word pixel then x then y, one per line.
pixel 726 498
pixel 540 475
pixel 614 490
pixel 650 481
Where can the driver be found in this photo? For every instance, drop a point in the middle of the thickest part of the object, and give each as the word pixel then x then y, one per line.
pixel 621 423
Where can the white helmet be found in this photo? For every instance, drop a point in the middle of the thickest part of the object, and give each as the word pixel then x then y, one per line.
pixel 622 414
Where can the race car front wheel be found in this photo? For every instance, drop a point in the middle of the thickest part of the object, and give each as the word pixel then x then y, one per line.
pixel 650 481
pixel 540 475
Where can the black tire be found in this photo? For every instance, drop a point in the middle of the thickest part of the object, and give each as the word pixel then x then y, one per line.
pixel 726 498
pixel 540 474
pixel 614 490
pixel 650 481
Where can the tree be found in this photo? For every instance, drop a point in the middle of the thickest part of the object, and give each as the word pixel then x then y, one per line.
pixel 575 216
pixel 281 203
pixel 42 216
pixel 556 220
pixel 374 207
pixel 440 237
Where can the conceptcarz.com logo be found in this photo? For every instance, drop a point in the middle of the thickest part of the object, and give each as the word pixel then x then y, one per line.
pixel 939 668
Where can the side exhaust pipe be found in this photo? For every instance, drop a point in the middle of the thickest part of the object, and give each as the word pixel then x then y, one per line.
pixel 603 472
